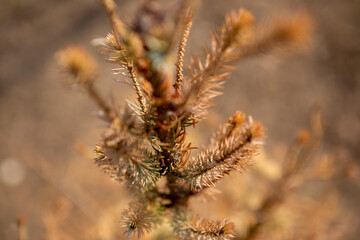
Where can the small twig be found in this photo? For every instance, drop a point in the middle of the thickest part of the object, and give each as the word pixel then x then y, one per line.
pixel 118 25
pixel 180 60
pixel 99 100
pixel 137 86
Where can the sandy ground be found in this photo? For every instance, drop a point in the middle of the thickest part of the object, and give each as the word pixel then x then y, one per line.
pixel 42 119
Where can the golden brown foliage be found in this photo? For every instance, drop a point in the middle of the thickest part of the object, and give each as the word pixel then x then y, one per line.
pixel 147 141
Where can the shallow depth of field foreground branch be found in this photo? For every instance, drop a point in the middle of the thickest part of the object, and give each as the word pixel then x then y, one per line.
pixel 146 140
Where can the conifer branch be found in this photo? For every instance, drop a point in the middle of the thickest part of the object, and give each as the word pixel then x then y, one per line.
pixel 121 56
pixel 137 220
pixel 123 155
pixel 133 169
pixel 138 89
pixel 181 51
pixel 229 128
pixel 186 227
pixel 207 78
pixel 124 53
pixel 117 24
pixel 82 67
pixel 291 31
pixel 217 161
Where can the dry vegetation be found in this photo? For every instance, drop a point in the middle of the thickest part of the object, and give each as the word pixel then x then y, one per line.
pixel 146 141
pixel 147 144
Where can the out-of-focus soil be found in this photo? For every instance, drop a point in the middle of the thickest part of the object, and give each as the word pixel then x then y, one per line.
pixel 42 119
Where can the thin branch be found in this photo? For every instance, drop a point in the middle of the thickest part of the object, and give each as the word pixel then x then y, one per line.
pixel 181 51
pixel 137 87
pixel 117 24
pixel 82 68
pixel 94 94
pixel 115 44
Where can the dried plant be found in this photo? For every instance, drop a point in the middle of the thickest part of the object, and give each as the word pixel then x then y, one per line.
pixel 146 140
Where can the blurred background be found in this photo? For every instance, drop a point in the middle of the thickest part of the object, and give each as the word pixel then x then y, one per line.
pixel 48 131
